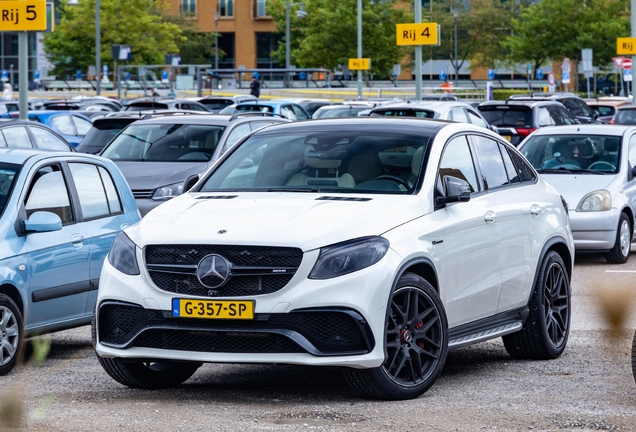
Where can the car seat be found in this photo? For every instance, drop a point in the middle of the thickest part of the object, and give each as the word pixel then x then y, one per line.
pixel 611 146
pixel 322 172
pixel 364 167
pixel 563 154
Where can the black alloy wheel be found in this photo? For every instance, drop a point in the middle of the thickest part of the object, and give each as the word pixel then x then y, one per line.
pixel 557 304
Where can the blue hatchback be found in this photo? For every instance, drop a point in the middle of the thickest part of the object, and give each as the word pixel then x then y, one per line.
pixel 72 126
pixel 284 108
pixel 60 214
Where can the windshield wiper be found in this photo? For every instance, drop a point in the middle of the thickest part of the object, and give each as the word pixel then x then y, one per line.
pixel 570 171
pixel 589 171
pixel 554 170
pixel 294 189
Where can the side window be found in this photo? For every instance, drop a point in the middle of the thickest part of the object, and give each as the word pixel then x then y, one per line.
pixel 237 133
pixel 287 112
pixel 17 137
pixel 92 191
pixel 513 175
pixel 82 125
pixel 44 139
pixel 197 107
pixel 458 162
pixel 492 163
pixel 300 114
pixel 525 172
pixel 111 192
pixel 475 119
pixel 573 107
pixel 632 152
pixel 458 114
pixel 566 116
pixel 545 119
pixel 3 143
pixel 63 124
pixel 48 192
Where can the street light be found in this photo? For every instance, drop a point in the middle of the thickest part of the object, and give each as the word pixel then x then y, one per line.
pixel 455 13
pixel 300 14
pixel 216 37
pixel 98 48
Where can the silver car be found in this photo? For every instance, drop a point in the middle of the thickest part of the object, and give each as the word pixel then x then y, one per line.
pixel 594 169
pixel 444 110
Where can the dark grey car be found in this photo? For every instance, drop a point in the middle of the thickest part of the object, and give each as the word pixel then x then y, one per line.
pixel 164 156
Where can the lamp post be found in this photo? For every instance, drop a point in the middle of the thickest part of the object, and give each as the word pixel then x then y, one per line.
pixel 98 49
pixel 455 13
pixel 359 47
pixel 301 14
pixel 216 37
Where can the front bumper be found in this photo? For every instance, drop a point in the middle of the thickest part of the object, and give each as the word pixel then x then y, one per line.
pixel 594 230
pixel 334 322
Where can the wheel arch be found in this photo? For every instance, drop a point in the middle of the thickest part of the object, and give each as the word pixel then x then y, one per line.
pixel 422 267
pixel 14 294
pixel 630 214
pixel 558 245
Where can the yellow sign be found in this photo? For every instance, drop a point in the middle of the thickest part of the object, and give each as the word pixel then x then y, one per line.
pixel 625 45
pixel 417 34
pixel 24 15
pixel 359 64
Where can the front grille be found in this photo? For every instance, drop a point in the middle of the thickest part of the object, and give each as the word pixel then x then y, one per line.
pixel 215 341
pixel 254 270
pixel 142 193
pixel 319 332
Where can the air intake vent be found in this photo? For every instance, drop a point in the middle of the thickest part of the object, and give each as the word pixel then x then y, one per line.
pixel 333 198
pixel 217 197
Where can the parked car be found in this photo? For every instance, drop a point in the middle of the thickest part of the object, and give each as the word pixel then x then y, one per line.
pixel 592 167
pixel 573 103
pixel 346 109
pixel 102 132
pixel 60 214
pixel 284 108
pixel 310 105
pixel 625 115
pixel 70 124
pixel 28 134
pixel 163 156
pixel 606 106
pixel 444 110
pixel 515 120
pixel 435 97
pixel 81 104
pixel 374 245
pixel 216 103
pixel 9 109
pixel 158 103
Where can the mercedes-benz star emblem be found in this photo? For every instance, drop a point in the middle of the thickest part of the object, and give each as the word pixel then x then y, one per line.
pixel 213 270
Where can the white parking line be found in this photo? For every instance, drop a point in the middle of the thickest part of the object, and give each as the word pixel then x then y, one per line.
pixel 620 271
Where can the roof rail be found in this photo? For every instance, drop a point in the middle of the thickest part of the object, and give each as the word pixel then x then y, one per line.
pixel 175 113
pixel 255 113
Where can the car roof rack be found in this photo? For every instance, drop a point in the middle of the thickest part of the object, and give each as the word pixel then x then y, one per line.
pixel 255 114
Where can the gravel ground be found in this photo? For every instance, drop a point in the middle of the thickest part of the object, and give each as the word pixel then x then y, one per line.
pixel 590 387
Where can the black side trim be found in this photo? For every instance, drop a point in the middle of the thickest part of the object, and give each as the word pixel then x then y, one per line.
pixel 509 317
pixel 94 284
pixel 60 291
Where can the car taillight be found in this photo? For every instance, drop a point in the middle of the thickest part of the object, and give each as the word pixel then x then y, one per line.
pixel 525 131
pixel 612 121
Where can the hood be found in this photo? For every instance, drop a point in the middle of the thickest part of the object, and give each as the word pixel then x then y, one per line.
pixel 151 175
pixel 273 219
pixel 573 187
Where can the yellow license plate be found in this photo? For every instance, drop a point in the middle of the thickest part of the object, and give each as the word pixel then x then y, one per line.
pixel 214 309
pixel 508 137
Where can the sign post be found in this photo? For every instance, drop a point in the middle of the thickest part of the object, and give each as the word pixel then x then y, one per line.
pixel 588 67
pixel 359 64
pixel 565 72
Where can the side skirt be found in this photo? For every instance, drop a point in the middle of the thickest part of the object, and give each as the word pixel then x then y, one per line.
pixel 488 328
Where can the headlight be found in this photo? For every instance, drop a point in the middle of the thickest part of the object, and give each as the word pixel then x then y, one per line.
pixel 167 192
pixel 350 256
pixel 600 200
pixel 123 255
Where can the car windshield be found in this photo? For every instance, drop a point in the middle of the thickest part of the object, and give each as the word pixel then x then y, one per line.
pixel 8 174
pixel 254 108
pixel 403 112
pixel 625 116
pixel 346 111
pixel 165 143
pixel 507 116
pixel 319 160
pixel 573 153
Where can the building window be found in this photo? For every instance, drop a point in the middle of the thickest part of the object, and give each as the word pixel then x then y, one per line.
pixel 260 9
pixel 188 7
pixel 226 8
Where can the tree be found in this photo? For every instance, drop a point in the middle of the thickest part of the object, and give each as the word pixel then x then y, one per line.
pixel 195 47
pixel 327 36
pixel 137 23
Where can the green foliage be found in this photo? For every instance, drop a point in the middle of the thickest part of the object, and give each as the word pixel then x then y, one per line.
pixel 503 94
pixel 195 46
pixel 137 23
pixel 555 29
pixel 327 37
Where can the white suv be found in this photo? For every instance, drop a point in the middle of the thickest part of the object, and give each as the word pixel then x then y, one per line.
pixel 375 245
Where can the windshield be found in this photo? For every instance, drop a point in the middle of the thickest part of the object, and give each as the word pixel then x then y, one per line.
pixel 254 108
pixel 573 153
pixel 323 160
pixel 403 112
pixel 102 133
pixel 165 143
pixel 505 116
pixel 8 174
pixel 625 116
pixel 349 111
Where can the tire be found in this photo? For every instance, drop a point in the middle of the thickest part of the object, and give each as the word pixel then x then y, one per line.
pixel 619 254
pixel 144 375
pixel 416 343
pixel 546 330
pixel 634 357
pixel 11 334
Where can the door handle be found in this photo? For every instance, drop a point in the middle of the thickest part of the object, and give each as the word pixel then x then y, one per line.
pixel 77 239
pixel 490 216
pixel 535 210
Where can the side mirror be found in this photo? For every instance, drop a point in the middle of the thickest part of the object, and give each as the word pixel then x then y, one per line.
pixel 456 190
pixel 43 221
pixel 189 182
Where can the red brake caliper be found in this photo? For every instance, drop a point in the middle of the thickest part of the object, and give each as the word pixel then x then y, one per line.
pixel 418 326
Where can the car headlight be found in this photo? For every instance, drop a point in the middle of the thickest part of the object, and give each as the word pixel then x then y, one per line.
pixel 599 200
pixel 123 255
pixel 167 192
pixel 347 257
